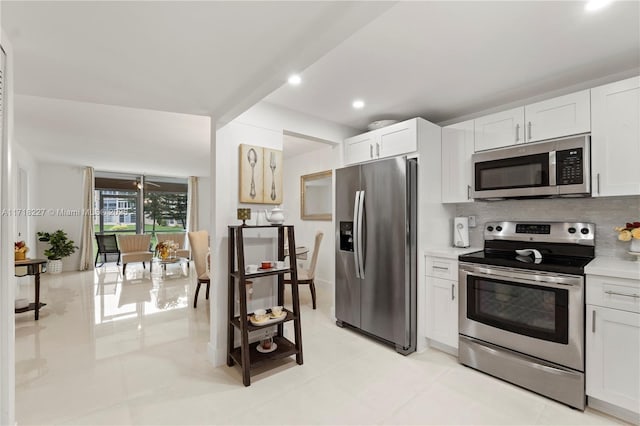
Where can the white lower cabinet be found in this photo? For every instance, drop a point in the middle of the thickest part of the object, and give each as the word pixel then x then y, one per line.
pixel 442 300
pixel 613 345
pixel 443 311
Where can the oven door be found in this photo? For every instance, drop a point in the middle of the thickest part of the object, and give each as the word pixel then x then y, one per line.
pixel 536 313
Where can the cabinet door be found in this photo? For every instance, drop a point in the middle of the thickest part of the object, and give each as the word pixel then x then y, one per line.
pixel 359 148
pixel 612 354
pixel 442 308
pixel 397 139
pixel 457 147
pixel 615 138
pixel 500 129
pixel 557 117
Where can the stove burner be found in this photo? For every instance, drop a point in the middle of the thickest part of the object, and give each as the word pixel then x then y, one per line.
pixel 517 244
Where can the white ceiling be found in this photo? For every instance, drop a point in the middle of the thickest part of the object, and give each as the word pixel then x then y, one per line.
pixel 209 58
pixel 438 60
pixel 442 60
pixel 111 138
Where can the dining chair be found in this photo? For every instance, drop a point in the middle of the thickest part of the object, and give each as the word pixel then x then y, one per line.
pixel 107 244
pixel 199 242
pixel 307 276
pixel 135 248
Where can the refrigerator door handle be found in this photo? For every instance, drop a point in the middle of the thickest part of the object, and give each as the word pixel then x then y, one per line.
pixel 356 205
pixel 360 235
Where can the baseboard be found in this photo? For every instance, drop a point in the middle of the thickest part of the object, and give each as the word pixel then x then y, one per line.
pixel 442 347
pixel 613 410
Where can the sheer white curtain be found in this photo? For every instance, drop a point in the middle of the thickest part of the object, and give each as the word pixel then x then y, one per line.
pixel 86 239
pixel 192 204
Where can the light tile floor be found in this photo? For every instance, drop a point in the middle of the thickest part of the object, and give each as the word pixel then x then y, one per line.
pixel 114 351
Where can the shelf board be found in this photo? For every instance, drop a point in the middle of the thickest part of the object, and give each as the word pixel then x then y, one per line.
pixel 250 327
pixel 267 273
pixel 31 307
pixel 259 226
pixel 285 349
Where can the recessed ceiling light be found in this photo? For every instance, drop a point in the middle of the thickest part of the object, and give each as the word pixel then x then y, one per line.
pixel 358 104
pixel 593 5
pixel 294 79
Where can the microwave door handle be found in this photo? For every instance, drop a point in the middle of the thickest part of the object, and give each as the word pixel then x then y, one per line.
pixel 552 168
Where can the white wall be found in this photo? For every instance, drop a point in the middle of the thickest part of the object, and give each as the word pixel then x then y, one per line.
pixel 327 158
pixel 7 235
pixel 204 203
pixel 60 194
pixel 23 160
pixel 262 125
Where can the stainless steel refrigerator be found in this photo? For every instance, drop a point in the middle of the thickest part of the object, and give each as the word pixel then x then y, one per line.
pixel 376 221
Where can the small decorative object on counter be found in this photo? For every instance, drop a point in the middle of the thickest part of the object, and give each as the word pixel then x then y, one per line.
pixel 244 215
pixel 21 250
pixel 630 232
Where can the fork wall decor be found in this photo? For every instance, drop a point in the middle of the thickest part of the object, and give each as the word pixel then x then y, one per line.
pixel 260 175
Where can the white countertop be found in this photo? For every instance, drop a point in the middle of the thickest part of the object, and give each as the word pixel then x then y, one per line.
pixel 613 267
pixel 449 252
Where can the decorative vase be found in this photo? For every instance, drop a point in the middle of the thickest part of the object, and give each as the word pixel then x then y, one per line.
pixel 20 255
pixel 635 245
pixel 55 266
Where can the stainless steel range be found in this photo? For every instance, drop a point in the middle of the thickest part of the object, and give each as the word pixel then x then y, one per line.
pixel 522 306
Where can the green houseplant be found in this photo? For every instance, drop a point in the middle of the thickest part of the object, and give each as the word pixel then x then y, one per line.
pixel 60 247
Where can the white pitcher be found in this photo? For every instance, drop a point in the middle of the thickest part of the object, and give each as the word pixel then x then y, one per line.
pixel 276 217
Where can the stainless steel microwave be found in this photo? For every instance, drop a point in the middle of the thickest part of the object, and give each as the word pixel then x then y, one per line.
pixel 553 168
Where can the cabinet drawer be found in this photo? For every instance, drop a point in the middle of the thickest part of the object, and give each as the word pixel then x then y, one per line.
pixel 441 267
pixel 612 292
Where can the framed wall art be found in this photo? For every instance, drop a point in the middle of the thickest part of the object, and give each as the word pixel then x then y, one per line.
pixel 272 177
pixel 260 175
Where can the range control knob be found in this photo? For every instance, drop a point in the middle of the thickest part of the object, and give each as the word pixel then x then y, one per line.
pixel 489 228
pixel 498 228
pixel 572 230
pixel 584 231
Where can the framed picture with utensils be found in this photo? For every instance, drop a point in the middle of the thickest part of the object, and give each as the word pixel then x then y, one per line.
pixel 251 174
pixel 272 177
pixel 260 175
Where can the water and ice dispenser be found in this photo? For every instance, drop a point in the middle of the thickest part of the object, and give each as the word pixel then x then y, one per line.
pixel 346 236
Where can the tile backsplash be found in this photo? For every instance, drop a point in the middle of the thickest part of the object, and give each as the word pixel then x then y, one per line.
pixel 605 212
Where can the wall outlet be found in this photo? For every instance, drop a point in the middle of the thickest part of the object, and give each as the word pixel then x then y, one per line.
pixel 472 221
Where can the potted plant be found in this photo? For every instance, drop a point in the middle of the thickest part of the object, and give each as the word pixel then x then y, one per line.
pixel 60 247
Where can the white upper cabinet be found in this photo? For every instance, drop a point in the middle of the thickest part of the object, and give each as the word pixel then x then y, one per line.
pixel 553 118
pixel 615 138
pixel 499 129
pixel 397 139
pixel 561 116
pixel 359 148
pixel 457 148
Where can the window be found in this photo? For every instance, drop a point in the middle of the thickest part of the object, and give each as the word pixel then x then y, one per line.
pixel 128 206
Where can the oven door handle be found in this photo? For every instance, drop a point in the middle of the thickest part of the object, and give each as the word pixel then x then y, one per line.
pixel 541 280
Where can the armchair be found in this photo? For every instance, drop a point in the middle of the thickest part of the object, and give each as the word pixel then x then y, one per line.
pixel 135 248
